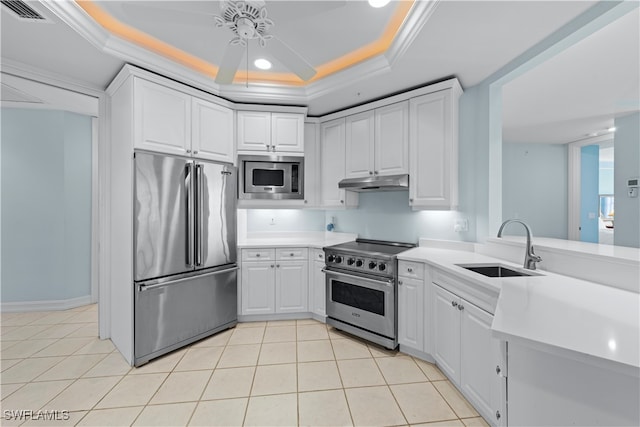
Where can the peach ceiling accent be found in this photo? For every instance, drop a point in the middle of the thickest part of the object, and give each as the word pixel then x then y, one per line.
pixel 143 39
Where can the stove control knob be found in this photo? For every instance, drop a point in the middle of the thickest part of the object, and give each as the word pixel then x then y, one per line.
pixel 382 266
pixel 351 261
pixel 331 258
pixel 372 265
pixel 359 263
pixel 338 259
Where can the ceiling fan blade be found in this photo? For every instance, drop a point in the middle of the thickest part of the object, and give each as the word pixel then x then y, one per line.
pixel 230 63
pixel 158 12
pixel 290 59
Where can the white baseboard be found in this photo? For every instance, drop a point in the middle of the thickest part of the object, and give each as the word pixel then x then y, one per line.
pixel 52 305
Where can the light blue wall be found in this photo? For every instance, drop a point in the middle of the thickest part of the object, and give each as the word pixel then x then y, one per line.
pixel 46 205
pixel 481 111
pixel 387 216
pixel 589 200
pixel 261 220
pixel 627 165
pixel 533 194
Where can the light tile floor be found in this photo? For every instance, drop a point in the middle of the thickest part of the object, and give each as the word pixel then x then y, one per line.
pixel 257 374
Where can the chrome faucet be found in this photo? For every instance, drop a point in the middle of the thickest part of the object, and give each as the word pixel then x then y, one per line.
pixel 530 258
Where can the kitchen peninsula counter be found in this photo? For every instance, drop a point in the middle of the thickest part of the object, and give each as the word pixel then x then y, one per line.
pixel 556 313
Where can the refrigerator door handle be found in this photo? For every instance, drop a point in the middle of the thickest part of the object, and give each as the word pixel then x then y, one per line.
pixel 148 287
pixel 199 214
pixel 189 184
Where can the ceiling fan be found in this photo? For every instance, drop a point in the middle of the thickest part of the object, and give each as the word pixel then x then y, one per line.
pixel 248 20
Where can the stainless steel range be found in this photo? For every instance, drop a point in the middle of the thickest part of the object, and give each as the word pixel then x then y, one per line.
pixel 361 280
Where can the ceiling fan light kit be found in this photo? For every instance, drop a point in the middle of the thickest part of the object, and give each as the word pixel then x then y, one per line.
pixel 248 20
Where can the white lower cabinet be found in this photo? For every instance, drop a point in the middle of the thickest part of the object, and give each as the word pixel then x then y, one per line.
pixel 410 313
pixel 317 284
pixel 258 287
pixel 411 308
pixel 277 285
pixel 466 352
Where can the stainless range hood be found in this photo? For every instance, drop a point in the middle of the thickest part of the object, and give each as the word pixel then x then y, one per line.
pixel 376 183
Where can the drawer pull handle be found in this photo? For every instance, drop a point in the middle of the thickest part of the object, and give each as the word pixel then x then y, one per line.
pixel 257 255
pixel 291 254
pixel 454 304
pixel 460 307
pixel 410 270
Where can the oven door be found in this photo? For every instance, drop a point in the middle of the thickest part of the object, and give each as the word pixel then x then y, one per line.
pixel 363 302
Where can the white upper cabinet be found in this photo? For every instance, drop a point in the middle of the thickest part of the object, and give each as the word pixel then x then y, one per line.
pixel 261 131
pixel 162 118
pixel 311 165
pixel 254 131
pixel 392 139
pixel 212 131
pixel 433 143
pixel 359 144
pixel 169 121
pixel 332 165
pixel 377 141
pixel 287 132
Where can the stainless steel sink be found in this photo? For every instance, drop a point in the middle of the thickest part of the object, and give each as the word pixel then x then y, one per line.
pixel 496 270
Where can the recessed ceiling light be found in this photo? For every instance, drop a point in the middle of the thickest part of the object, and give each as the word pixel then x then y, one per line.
pixel 378 3
pixel 611 129
pixel 262 63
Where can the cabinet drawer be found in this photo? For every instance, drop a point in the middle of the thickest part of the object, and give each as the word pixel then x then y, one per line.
pixel 414 270
pixel 283 254
pixel 317 255
pixel 258 254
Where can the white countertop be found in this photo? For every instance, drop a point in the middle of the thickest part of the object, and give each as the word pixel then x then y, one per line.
pixel 552 310
pixel 287 239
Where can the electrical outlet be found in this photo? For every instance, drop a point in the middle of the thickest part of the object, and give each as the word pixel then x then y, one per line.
pixel 461 225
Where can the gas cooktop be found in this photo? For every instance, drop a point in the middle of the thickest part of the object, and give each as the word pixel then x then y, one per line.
pixel 366 256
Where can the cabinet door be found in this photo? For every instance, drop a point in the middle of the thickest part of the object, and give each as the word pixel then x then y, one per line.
pixel 292 283
pixel 311 165
pixel 318 289
pixel 477 360
pixel 359 130
pixel 212 131
pixel 287 132
pixel 332 162
pixel 410 312
pixel 392 139
pixel 162 118
pixel 258 287
pixel 254 131
pixel 434 152
pixel 446 339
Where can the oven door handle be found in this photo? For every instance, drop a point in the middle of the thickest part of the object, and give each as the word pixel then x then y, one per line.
pixel 388 282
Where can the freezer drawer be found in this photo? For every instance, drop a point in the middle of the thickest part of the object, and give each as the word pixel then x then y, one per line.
pixel 175 313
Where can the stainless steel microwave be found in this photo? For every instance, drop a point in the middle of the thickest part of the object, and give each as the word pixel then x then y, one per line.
pixel 271 177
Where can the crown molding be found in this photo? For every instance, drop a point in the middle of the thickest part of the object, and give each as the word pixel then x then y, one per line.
pixel 75 17
pixel 28 72
pixel 411 27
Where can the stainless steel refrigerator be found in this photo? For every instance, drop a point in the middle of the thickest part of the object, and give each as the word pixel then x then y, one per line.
pixel 185 252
